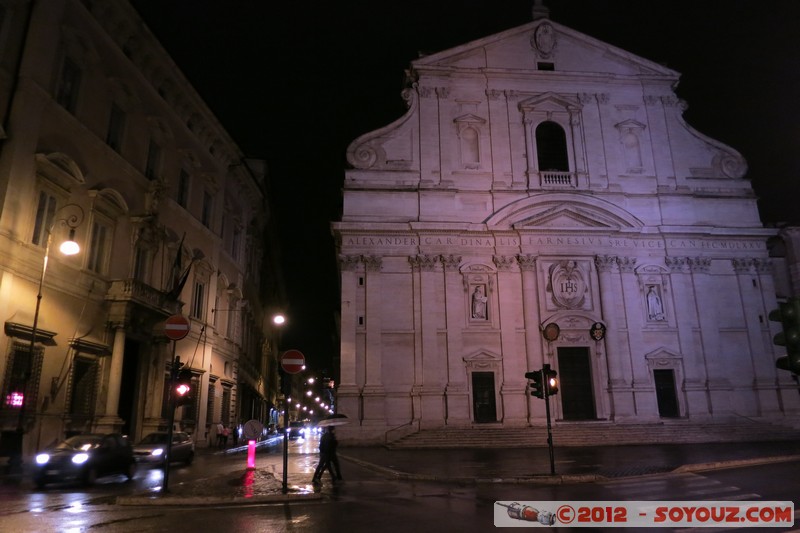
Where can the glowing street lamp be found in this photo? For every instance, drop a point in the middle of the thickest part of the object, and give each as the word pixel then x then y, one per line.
pixel 68 247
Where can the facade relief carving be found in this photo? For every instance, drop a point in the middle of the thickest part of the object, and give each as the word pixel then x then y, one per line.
pixel 567 285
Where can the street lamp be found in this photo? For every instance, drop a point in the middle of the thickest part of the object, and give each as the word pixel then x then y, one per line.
pixel 69 247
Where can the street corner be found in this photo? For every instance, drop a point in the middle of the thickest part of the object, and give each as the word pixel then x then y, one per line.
pixel 249 487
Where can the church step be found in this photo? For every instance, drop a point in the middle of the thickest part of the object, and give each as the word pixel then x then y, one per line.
pixel 590 434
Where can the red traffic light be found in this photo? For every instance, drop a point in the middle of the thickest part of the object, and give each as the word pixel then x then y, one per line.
pixel 182 389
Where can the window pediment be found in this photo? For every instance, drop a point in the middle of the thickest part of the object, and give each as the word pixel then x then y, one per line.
pixel 59 169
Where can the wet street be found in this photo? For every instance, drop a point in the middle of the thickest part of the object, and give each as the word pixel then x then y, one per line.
pixel 369 499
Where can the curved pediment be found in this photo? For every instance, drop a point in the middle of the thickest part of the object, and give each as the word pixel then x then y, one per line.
pixel 562 210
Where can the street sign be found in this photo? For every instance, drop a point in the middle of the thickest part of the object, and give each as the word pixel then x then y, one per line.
pixel 293 361
pixel 177 327
pixel 252 429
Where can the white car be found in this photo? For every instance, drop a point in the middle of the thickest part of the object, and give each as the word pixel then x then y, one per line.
pixel 153 448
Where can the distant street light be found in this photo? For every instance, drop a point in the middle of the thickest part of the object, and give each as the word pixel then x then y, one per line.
pixel 68 247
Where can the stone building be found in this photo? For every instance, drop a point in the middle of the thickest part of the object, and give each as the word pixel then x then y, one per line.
pixel 542 201
pixel 104 137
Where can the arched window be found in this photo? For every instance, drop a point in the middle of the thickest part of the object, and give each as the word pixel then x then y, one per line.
pixel 551 147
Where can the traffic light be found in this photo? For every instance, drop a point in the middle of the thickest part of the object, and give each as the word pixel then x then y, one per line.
pixel 537 387
pixel 182 387
pixel 789 316
pixel 551 380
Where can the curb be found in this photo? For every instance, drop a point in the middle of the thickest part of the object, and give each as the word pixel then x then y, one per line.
pixel 560 479
pixel 735 463
pixel 215 500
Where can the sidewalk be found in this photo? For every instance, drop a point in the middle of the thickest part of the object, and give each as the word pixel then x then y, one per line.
pixel 516 465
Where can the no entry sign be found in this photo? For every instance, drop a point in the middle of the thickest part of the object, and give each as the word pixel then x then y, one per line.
pixel 293 361
pixel 176 327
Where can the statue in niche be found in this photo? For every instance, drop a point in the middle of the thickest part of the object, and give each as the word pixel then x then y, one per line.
pixel 479 300
pixel 655 309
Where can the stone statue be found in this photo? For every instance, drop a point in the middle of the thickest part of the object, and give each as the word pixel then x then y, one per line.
pixel 479 300
pixel 655 309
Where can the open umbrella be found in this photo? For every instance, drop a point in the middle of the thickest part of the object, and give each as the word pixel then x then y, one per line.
pixel 334 420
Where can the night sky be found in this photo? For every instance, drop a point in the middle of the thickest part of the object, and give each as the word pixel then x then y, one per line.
pixel 294 82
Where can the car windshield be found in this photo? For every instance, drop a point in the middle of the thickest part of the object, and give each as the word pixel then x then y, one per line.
pixel 80 442
pixel 295 424
pixel 155 438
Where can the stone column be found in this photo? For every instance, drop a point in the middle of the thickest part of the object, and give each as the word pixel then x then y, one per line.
pixel 348 391
pixel 373 393
pixel 719 386
pixel 689 337
pixel 111 421
pixel 429 142
pixel 534 355
pixel 510 310
pixel 457 391
pixel 748 375
pixel 431 386
pixel 617 352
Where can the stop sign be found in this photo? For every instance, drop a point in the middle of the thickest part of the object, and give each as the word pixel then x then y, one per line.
pixel 176 327
pixel 293 361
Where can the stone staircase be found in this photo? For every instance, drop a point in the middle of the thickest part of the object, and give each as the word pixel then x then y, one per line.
pixel 594 433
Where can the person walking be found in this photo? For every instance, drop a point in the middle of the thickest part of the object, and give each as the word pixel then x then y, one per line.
pixel 220 435
pixel 327 451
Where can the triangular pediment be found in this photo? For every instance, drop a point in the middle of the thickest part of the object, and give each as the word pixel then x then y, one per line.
pixel 564 211
pixel 520 48
pixel 565 217
pixel 469 119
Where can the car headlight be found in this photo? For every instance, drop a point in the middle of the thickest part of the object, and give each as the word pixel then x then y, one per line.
pixel 80 458
pixel 42 458
pixel 157 452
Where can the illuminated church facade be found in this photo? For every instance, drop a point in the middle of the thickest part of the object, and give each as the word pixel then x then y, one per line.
pixel 542 201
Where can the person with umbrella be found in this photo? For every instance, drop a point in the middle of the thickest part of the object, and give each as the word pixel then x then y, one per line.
pixel 327 457
pixel 327 449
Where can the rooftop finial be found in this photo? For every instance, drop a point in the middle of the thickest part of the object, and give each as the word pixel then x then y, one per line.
pixel 540 11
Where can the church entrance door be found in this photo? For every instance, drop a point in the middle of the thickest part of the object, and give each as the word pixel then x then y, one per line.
pixel 483 404
pixel 575 384
pixel 665 393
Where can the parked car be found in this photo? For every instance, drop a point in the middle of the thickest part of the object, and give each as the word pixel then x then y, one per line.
pixel 153 448
pixel 84 459
pixel 296 430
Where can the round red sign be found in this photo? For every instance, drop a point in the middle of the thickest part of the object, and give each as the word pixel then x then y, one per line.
pixel 176 327
pixel 293 361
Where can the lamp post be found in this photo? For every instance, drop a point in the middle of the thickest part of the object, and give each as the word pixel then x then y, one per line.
pixel 68 247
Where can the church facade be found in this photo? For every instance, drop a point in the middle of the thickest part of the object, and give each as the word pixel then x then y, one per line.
pixel 542 201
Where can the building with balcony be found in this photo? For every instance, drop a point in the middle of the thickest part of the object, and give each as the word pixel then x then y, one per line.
pixel 103 138
pixel 543 201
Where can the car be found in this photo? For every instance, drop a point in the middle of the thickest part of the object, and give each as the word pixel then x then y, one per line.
pixel 84 459
pixel 296 430
pixel 152 449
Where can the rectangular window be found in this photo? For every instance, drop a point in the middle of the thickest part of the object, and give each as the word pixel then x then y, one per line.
pixel 208 207
pixel 210 403
pixel 45 212
pixel 68 85
pixel 189 413
pixel 116 126
pixel 140 265
pixel 83 387
pixel 98 248
pixel 183 189
pixel 153 160
pixel 21 384
pixel 198 300
pixel 237 237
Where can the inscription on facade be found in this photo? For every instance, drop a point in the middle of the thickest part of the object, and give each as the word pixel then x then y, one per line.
pixel 584 241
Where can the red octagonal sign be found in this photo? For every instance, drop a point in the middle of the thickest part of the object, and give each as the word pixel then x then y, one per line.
pixel 293 361
pixel 177 327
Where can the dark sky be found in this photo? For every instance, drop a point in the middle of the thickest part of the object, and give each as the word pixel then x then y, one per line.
pixel 295 81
